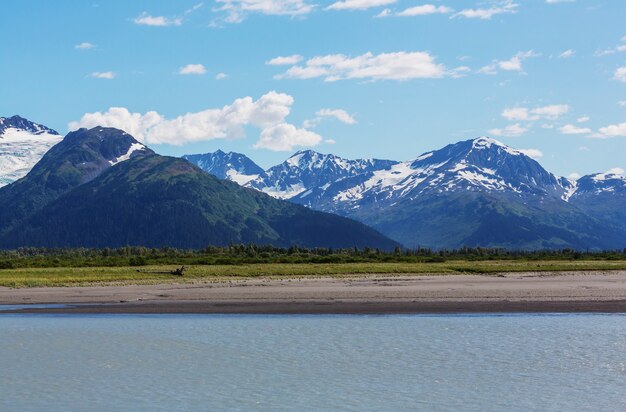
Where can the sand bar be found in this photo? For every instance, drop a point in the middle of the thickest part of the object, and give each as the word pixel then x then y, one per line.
pixel 509 292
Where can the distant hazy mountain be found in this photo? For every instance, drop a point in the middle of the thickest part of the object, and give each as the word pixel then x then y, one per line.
pixel 101 187
pixel 477 192
pixel 22 144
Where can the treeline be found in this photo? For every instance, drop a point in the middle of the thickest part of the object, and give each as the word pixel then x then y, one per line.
pixel 237 254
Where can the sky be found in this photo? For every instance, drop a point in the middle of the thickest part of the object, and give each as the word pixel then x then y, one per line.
pixel 386 79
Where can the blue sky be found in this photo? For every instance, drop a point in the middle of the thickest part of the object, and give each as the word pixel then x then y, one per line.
pixel 358 78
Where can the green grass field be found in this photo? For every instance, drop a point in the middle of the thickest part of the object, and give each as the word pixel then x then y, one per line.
pixel 84 276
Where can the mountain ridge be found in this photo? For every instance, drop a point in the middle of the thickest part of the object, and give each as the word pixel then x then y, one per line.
pixel 419 201
pixel 102 188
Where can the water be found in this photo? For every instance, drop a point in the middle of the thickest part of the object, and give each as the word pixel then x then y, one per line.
pixel 241 362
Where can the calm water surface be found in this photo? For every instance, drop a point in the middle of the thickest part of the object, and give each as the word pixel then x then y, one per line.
pixel 241 362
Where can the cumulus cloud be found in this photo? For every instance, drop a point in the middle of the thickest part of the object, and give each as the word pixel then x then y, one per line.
pixel 192 69
pixel 371 67
pixel 573 176
pixel 573 129
pixel 533 153
pixel 268 113
pixel 285 60
pixel 497 7
pixel 615 171
pixel 84 46
pixel 622 103
pixel 567 54
pixel 512 130
pixel 421 10
pixel 551 112
pixel 358 4
pixel 103 75
pixel 512 64
pixel 614 130
pixel 285 137
pixel 620 74
pixel 583 119
pixel 237 10
pixel 221 76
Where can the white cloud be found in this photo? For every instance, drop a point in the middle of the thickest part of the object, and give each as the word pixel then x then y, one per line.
pixel 613 50
pixel 498 7
pixel 516 113
pixel 84 46
pixel 512 64
pixel 384 66
pixel 421 10
pixel 221 76
pixel 237 10
pixel 338 114
pixel 573 176
pixel 620 74
pixel 147 20
pixel 358 4
pixel 512 130
pixel 583 119
pixel 285 137
pixel 615 171
pixel 267 113
pixel 614 130
pixel 559 1
pixel 285 60
pixel 567 54
pixel 622 103
pixel 192 69
pixel 551 112
pixel 573 129
pixel 533 153
pixel 330 141
pixel 103 75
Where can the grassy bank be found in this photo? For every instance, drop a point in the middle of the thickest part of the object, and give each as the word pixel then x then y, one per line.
pixel 74 276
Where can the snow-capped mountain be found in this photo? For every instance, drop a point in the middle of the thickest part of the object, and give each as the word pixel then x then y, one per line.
pixel 307 170
pixel 232 166
pixel 476 192
pixel 78 158
pixel 603 196
pixel 22 144
pixel 479 165
pixel 599 183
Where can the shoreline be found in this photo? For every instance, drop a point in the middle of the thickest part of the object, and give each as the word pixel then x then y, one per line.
pixel 537 292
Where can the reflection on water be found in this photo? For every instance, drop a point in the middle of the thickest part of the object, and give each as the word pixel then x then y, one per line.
pixel 245 362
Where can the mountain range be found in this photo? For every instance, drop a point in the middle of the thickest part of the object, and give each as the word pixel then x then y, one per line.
pixel 477 192
pixel 102 188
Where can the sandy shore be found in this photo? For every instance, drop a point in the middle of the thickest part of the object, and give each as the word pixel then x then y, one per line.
pixel 513 292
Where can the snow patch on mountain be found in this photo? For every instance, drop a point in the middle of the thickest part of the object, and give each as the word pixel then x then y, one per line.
pixel 132 149
pixel 22 145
